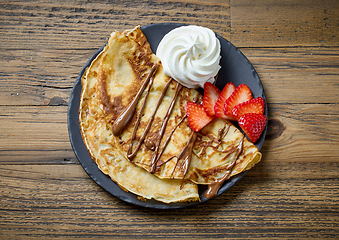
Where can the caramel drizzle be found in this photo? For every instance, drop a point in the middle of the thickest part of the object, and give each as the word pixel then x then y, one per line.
pixel 130 154
pixel 126 115
pixel 214 187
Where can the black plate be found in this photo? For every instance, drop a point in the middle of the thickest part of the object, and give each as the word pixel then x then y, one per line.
pixel 235 68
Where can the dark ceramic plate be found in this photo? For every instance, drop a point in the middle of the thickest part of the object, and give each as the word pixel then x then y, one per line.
pixel 235 68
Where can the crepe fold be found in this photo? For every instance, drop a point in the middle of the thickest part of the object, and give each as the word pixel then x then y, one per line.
pixel 133 122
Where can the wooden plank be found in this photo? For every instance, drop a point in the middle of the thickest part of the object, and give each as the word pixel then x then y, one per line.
pixel 296 133
pixel 74 25
pixel 45 18
pixel 44 45
pixel 31 73
pixel 297 75
pixel 278 69
pixel 39 134
pixel 62 201
pixel 40 78
pixel 272 23
pixel 291 194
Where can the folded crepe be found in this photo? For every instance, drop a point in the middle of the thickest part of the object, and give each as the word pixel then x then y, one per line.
pixel 105 150
pixel 133 122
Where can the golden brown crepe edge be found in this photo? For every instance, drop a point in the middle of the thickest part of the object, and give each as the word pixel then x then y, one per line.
pixel 189 198
pixel 256 159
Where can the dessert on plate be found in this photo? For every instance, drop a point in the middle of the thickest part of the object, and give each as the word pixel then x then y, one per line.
pixel 137 119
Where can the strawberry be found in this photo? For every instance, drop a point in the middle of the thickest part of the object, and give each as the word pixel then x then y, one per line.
pixel 211 95
pixel 196 116
pixel 255 105
pixel 225 94
pixel 241 94
pixel 253 124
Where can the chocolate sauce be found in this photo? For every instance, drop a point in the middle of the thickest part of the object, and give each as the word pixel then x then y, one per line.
pixel 214 187
pixel 149 144
pixel 187 149
pixel 223 132
pixel 126 115
pixel 186 154
pixel 156 156
pixel 129 151
pixel 130 154
pixel 169 138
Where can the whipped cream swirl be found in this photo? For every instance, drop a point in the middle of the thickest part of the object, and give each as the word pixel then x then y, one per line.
pixel 190 55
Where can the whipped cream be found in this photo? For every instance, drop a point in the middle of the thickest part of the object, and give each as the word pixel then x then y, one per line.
pixel 190 55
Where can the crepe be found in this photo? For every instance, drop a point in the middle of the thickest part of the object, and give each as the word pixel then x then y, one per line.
pixel 105 151
pixel 219 146
pixel 134 124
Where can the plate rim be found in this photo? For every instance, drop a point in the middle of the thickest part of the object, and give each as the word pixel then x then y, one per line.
pixel 101 180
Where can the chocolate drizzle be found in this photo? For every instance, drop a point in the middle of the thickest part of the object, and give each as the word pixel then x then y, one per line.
pixel 127 113
pixel 186 153
pixel 185 156
pixel 156 155
pixel 149 144
pixel 130 153
pixel 223 132
pixel 214 187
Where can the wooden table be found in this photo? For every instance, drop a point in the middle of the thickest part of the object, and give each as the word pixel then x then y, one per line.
pixel 292 193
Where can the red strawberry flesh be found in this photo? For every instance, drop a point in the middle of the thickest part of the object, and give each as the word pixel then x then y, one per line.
pixel 211 95
pixel 241 94
pixel 196 116
pixel 253 124
pixel 225 94
pixel 255 105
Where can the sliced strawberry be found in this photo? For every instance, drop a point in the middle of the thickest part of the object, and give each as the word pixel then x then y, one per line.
pixel 225 94
pixel 211 95
pixel 253 124
pixel 241 94
pixel 196 115
pixel 255 105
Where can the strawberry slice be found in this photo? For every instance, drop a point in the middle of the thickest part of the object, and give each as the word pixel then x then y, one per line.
pixel 253 124
pixel 241 94
pixel 196 116
pixel 211 95
pixel 225 94
pixel 255 105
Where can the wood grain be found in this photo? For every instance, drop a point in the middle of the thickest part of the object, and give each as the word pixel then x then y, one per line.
pixel 273 23
pixel 45 45
pixel 39 134
pixel 309 74
pixel 291 194
pixel 278 68
pixel 31 67
pixel 41 198
pixel 36 133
